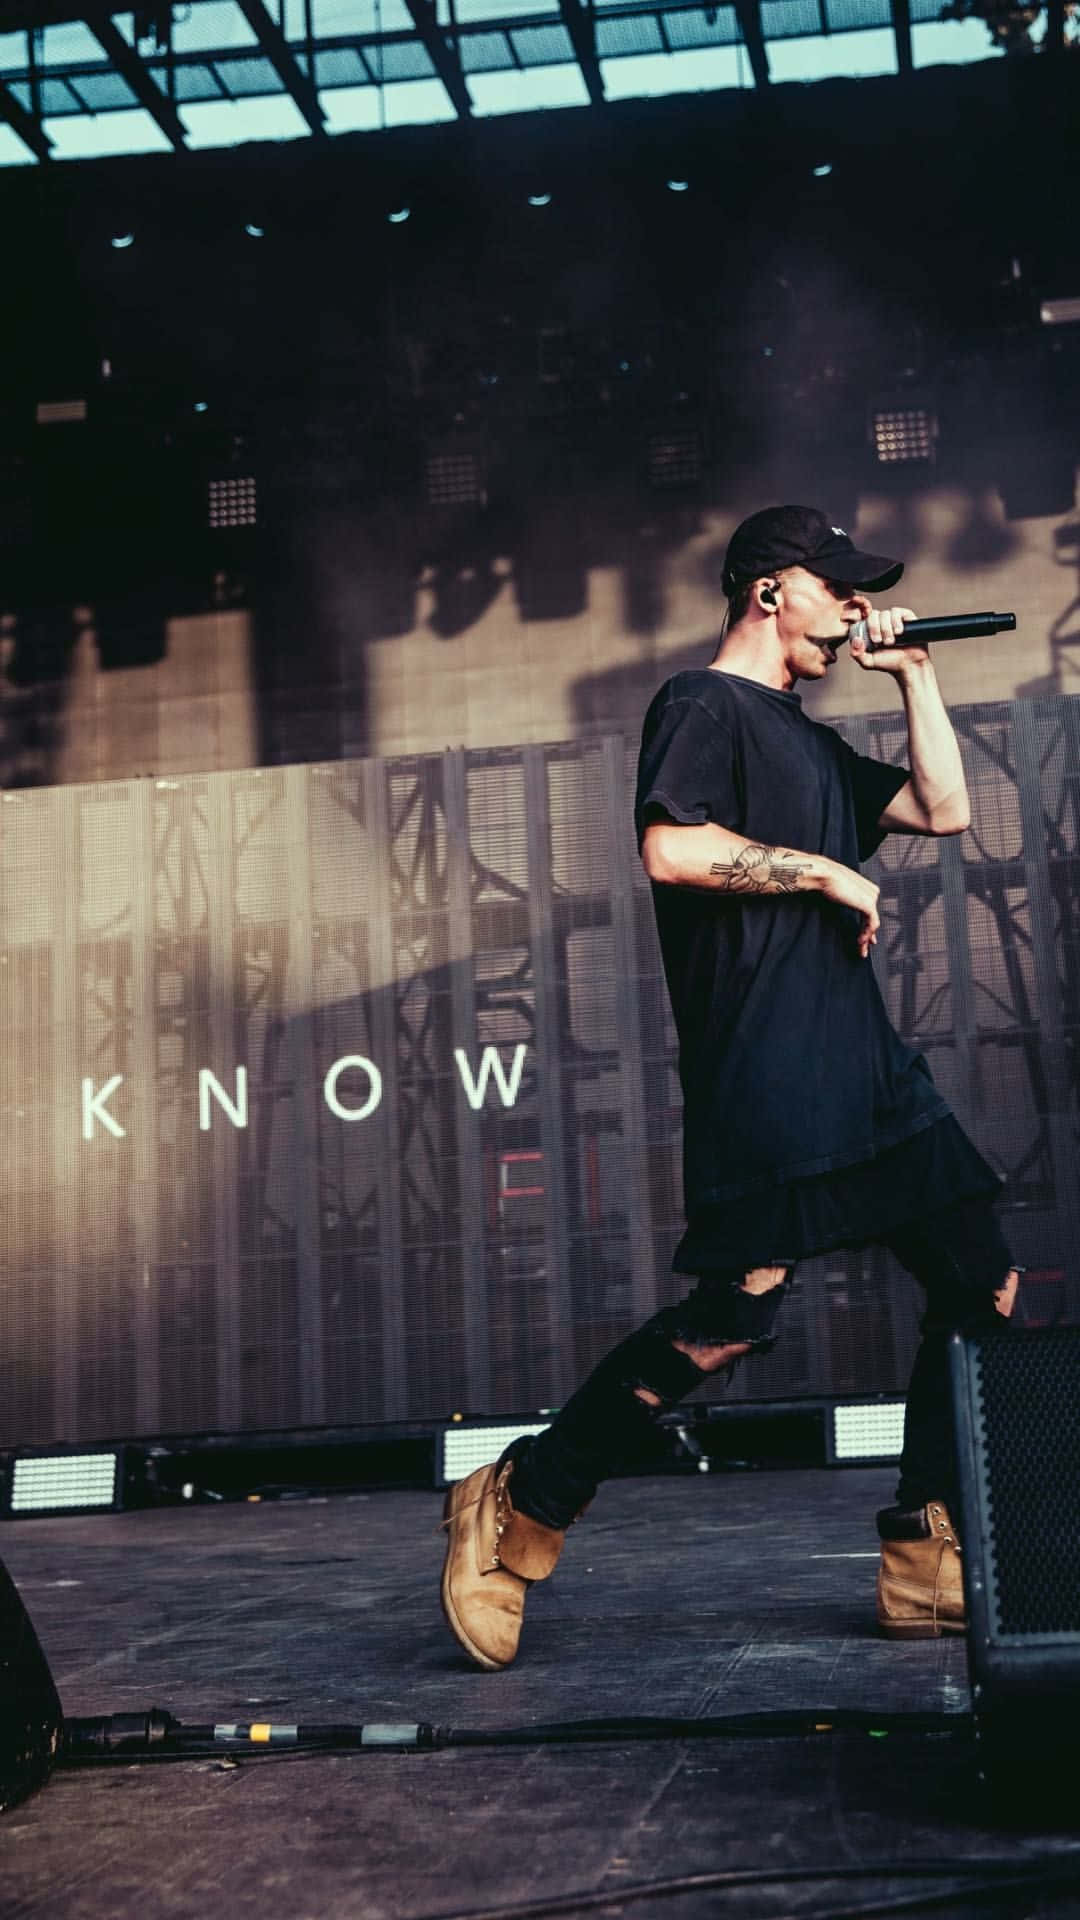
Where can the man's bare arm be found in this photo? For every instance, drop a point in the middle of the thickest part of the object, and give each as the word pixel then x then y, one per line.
pixel 757 868
pixel 934 800
pixel 717 859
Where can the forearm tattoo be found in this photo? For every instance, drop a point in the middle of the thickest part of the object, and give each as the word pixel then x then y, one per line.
pixel 759 869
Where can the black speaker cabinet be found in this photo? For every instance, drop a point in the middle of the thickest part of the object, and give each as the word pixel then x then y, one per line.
pixel 30 1716
pixel 1017 1411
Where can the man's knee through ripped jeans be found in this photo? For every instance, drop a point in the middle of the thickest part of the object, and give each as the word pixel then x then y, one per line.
pixel 609 1421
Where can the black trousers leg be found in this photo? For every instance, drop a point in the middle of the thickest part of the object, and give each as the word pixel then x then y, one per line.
pixel 961 1258
pixel 605 1425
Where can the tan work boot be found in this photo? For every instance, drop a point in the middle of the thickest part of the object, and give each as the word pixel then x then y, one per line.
pixel 492 1556
pixel 920 1589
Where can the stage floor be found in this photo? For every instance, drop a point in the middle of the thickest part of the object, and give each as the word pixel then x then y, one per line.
pixel 731 1592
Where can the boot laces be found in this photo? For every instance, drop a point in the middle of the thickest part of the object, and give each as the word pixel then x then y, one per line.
pixel 502 1503
pixel 940 1525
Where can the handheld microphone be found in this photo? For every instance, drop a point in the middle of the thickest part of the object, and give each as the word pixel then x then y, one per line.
pixel 946 626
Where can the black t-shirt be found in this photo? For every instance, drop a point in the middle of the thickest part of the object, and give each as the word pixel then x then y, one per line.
pixel 789 1064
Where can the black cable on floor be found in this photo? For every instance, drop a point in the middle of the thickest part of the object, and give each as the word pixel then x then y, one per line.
pixel 156 1732
pixel 997 1878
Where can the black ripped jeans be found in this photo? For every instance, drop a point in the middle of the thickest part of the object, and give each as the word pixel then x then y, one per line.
pixel 958 1255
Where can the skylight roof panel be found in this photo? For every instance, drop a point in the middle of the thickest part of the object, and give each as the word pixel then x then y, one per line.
pixel 469 11
pixel 529 92
pixel 694 27
pixel 358 19
pixel 86 136
pixel 352 109
pixel 192 83
pixel 417 103
pixel 229 123
pixel 639 34
pixel 542 46
pixel 780 18
pixel 485 52
pixel 655 74
pixel 101 91
pixel 842 14
pixel 401 60
pixel 71 45
pixel 340 67
pixel 55 97
pixel 936 42
pixel 210 25
pixel 13 151
pixel 13 53
pixel 860 55
pixel 241 77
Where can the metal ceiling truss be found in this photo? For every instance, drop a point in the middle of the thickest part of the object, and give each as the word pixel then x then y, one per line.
pixel 139 78
pixel 280 55
pixel 294 63
pixel 26 125
pixel 447 64
pixel 748 13
pixel 580 22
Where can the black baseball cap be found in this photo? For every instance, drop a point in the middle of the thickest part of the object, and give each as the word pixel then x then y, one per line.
pixel 802 537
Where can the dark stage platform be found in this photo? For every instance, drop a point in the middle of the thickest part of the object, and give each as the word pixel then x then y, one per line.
pixel 738 1591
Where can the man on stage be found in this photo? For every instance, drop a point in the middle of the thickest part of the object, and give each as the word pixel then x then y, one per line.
pixel 808 1123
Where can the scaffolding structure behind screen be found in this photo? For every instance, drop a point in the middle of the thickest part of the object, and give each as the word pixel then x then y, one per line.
pixel 346 1093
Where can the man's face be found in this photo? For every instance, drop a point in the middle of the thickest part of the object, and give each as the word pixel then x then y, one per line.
pixel 813 619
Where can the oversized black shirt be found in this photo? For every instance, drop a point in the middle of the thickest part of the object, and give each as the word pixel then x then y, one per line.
pixel 789 1064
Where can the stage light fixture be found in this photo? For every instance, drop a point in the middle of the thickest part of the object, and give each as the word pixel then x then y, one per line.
pixel 399 216
pixel 62 1481
pixel 1059 313
pixel 60 413
pixel 254 232
pixel 454 477
pixel 122 240
pixel 678 186
pixel 864 1430
pixel 232 501
pixel 904 432
pixel 463 1446
pixel 823 172
pixel 201 406
pixel 675 457
pixel 539 199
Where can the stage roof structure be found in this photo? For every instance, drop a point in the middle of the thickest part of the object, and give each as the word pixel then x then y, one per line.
pixel 82 82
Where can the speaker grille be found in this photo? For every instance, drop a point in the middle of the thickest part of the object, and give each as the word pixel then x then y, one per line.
pixel 1027 1411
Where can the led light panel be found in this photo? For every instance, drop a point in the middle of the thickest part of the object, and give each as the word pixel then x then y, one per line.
pixel 454 480
pixel 903 436
pixel 872 1430
pixel 462 1449
pixel 675 458
pixel 232 503
pixel 45 1483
